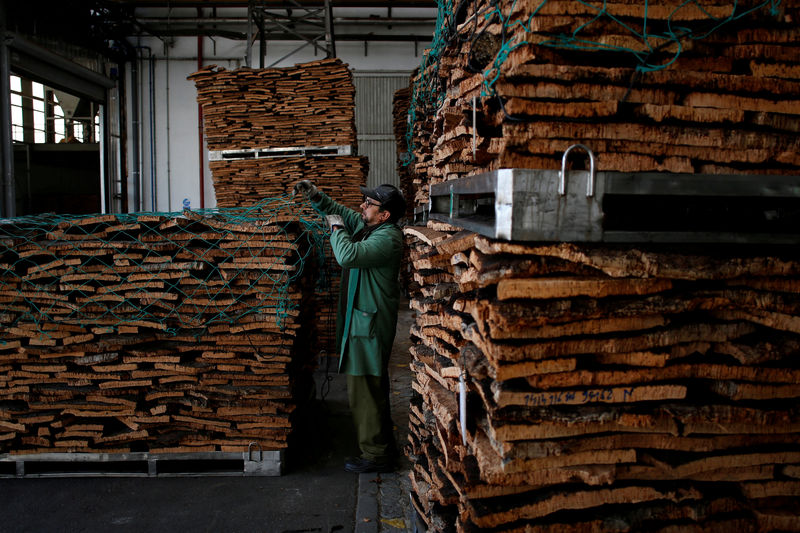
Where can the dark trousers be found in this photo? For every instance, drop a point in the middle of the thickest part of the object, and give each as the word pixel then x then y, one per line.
pixel 369 404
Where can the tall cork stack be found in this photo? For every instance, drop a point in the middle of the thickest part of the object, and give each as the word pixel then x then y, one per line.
pixel 153 333
pixel 629 387
pixel 717 102
pixel 307 109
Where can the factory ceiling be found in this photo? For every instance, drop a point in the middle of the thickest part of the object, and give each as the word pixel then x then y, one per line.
pixel 104 25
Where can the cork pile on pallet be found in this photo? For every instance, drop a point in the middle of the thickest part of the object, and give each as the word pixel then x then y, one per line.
pixel 244 182
pixel 139 335
pixel 310 105
pixel 608 388
pixel 727 104
pixel 625 387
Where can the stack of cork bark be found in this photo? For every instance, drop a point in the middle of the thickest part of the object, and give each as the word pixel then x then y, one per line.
pixel 622 389
pixel 308 108
pixel 721 100
pixel 605 388
pixel 306 105
pixel 153 333
pixel 243 182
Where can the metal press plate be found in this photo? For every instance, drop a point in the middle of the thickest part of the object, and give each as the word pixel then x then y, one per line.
pixel 524 205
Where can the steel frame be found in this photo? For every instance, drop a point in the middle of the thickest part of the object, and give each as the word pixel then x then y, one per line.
pixel 314 25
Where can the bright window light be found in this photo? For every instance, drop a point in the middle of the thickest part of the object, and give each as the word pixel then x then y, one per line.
pixel 38 121
pixel 17 132
pixel 32 119
pixel 77 131
pixel 59 124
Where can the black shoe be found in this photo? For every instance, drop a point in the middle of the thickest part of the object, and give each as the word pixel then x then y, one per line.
pixel 359 465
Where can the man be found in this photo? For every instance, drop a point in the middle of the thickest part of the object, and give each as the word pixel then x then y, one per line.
pixel 369 248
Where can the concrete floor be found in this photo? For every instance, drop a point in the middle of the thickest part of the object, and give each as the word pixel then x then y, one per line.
pixel 314 495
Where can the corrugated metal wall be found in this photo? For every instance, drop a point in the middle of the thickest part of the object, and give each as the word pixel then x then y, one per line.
pixel 374 122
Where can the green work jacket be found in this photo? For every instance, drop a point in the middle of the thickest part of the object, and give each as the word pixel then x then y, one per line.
pixel 370 312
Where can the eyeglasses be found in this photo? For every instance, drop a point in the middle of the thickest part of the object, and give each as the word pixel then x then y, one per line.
pixel 368 201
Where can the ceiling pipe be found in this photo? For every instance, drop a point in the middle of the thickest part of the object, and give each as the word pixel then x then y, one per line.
pixel 281 4
pixel 365 21
pixel 294 36
pixel 200 150
pixel 136 127
pixel 151 124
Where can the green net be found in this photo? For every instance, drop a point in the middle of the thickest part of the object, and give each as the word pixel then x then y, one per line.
pixel 426 93
pixel 167 271
pixel 657 30
pixel 651 40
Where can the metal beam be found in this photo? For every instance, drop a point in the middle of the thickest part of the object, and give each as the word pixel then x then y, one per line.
pixel 329 36
pixel 279 3
pixel 40 64
pixel 6 148
pixel 196 22
pixel 304 37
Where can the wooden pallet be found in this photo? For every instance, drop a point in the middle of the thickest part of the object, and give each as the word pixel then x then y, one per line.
pixel 143 464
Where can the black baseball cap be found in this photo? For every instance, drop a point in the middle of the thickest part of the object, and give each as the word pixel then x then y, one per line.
pixel 390 198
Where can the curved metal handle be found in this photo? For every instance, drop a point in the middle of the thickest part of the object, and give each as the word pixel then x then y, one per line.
pixel 562 182
pixel 250 451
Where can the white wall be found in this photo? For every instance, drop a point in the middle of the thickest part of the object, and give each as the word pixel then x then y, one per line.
pixel 175 142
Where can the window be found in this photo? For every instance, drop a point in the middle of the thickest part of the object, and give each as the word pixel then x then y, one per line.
pixel 77 131
pixel 59 124
pixel 37 102
pixel 16 109
pixel 29 117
